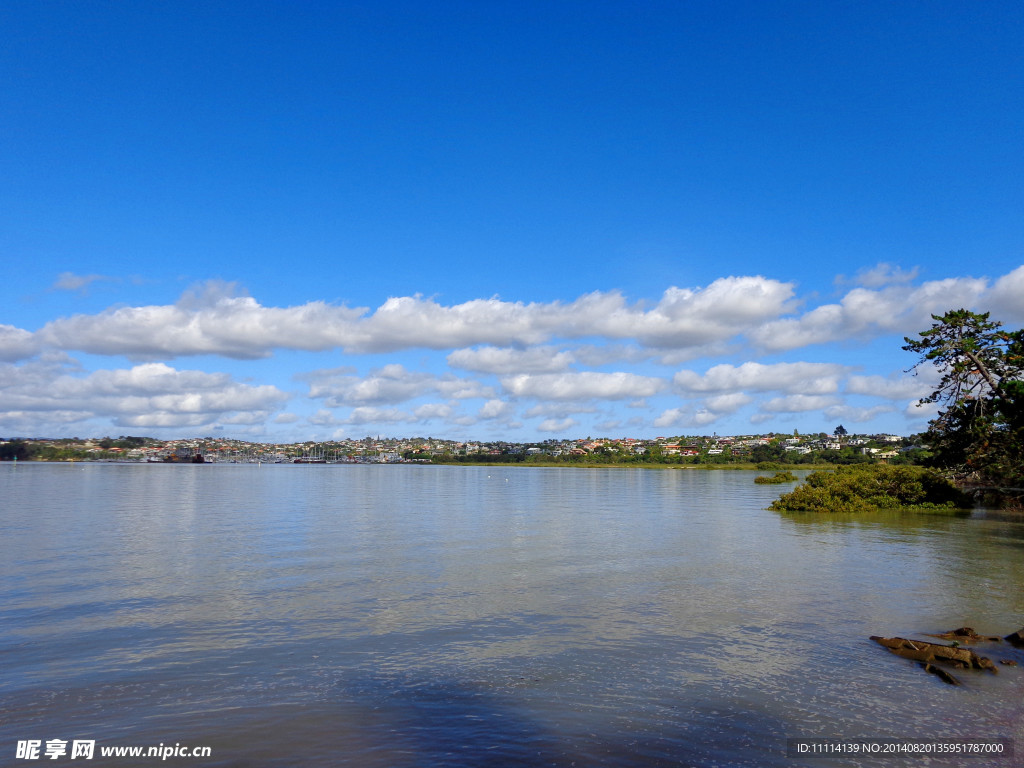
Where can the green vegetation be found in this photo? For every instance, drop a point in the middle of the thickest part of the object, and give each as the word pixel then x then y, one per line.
pixel 778 477
pixel 868 488
pixel 15 449
pixel 978 436
pixel 70 449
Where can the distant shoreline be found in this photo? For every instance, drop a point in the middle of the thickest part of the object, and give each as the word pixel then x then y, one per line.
pixel 747 466
pixel 618 465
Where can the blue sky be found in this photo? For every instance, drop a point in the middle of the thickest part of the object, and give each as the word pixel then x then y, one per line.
pixel 521 221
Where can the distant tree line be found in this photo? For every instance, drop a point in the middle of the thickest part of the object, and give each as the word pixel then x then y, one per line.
pixel 70 449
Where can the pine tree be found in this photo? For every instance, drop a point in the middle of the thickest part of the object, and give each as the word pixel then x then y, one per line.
pixel 978 435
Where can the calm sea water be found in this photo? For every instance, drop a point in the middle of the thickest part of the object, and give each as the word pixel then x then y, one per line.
pixel 460 616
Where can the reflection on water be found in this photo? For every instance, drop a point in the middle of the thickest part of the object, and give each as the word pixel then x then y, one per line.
pixel 481 616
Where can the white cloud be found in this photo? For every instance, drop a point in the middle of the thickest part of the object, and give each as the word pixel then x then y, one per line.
pixel 16 344
pixel 537 352
pixel 245 418
pixel 372 415
pixel 1006 299
pixel 859 415
pixel 556 425
pixel 703 417
pixel 915 410
pixel 151 395
pixel 797 378
pixel 324 418
pixel 686 417
pixel 463 389
pixel 798 403
pixel 429 411
pixel 582 386
pixel 898 388
pixel 559 409
pixel 728 403
pixel 200 324
pixel 389 385
pixel 596 356
pixel 214 319
pixel 495 409
pixel 685 317
pixel 865 312
pixel 504 361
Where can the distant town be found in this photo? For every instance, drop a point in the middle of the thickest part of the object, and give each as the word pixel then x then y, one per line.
pixel 837 447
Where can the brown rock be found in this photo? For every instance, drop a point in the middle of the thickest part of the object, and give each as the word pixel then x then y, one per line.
pixel 1016 639
pixel 967 635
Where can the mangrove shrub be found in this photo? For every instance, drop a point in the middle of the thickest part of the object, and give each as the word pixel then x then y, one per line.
pixel 872 487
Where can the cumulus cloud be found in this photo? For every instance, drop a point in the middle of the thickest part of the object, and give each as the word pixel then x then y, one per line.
pixel 497 336
pixel 556 425
pixel 918 411
pixel 388 385
pixel 150 395
pixel 558 410
pixel 798 403
pixel 538 352
pixel 495 409
pixel 595 356
pixel 850 413
pixel 16 344
pixel 214 319
pixel 462 389
pixel 686 417
pixel 324 418
pixel 582 386
pixel 372 415
pixel 797 378
pixel 898 388
pixel 728 403
pixel 1006 298
pixel 505 361
pixel 864 312
pixel 429 411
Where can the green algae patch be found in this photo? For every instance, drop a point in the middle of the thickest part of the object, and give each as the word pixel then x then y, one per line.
pixel 872 488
